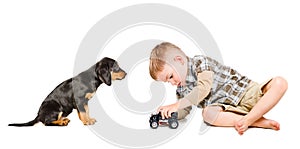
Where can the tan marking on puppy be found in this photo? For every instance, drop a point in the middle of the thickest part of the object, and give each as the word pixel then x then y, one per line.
pixel 89 95
pixel 86 108
pixel 91 120
pixel 85 118
pixel 61 121
pixel 117 75
pixel 82 116
pixel 59 115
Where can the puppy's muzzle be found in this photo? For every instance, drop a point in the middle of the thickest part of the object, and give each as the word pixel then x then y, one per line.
pixel 119 75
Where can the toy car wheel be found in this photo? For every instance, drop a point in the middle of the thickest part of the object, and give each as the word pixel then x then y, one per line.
pixel 173 124
pixel 154 125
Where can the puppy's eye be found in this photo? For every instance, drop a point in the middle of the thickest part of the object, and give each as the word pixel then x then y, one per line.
pixel 171 76
pixel 116 67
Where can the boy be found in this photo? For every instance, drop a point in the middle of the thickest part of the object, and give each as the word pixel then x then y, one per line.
pixel 227 97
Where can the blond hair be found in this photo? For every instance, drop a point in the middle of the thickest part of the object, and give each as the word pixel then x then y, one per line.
pixel 158 57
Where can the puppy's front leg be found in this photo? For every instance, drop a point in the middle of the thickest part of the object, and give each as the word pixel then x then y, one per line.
pixel 83 114
pixel 91 120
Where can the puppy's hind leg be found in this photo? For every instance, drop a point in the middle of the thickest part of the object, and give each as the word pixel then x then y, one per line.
pixel 60 121
pixel 50 114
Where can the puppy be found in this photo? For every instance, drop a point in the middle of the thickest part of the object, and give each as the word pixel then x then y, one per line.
pixel 75 93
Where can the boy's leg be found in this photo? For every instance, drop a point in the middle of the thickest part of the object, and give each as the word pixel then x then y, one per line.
pixel 215 115
pixel 273 91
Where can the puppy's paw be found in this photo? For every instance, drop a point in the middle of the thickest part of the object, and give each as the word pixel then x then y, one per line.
pixel 93 120
pixel 65 121
pixel 90 121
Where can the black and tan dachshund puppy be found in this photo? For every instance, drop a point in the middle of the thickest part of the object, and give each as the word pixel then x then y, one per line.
pixel 75 93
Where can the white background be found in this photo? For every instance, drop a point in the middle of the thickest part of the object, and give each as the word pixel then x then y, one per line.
pixel 39 41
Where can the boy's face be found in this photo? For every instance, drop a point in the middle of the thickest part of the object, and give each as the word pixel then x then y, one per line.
pixel 174 74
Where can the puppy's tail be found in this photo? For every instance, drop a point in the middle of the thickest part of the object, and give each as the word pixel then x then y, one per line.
pixel 31 123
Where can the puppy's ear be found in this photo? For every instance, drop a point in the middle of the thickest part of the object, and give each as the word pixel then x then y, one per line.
pixel 103 73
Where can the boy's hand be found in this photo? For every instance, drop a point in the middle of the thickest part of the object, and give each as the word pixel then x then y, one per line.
pixel 166 111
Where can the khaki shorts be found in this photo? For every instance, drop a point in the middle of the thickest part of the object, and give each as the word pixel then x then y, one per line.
pixel 252 95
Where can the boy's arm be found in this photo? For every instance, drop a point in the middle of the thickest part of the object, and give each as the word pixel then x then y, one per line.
pixel 182 113
pixel 199 92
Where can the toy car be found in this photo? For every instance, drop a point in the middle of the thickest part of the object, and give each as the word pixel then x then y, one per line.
pixel 156 119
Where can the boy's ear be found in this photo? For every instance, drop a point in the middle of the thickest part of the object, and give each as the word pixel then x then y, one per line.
pixel 179 59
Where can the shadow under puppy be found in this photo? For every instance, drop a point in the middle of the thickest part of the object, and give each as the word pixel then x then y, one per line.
pixel 75 93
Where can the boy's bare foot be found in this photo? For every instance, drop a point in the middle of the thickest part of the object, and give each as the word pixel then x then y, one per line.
pixel 266 123
pixel 242 125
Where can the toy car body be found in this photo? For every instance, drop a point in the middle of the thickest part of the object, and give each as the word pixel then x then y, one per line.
pixel 155 120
